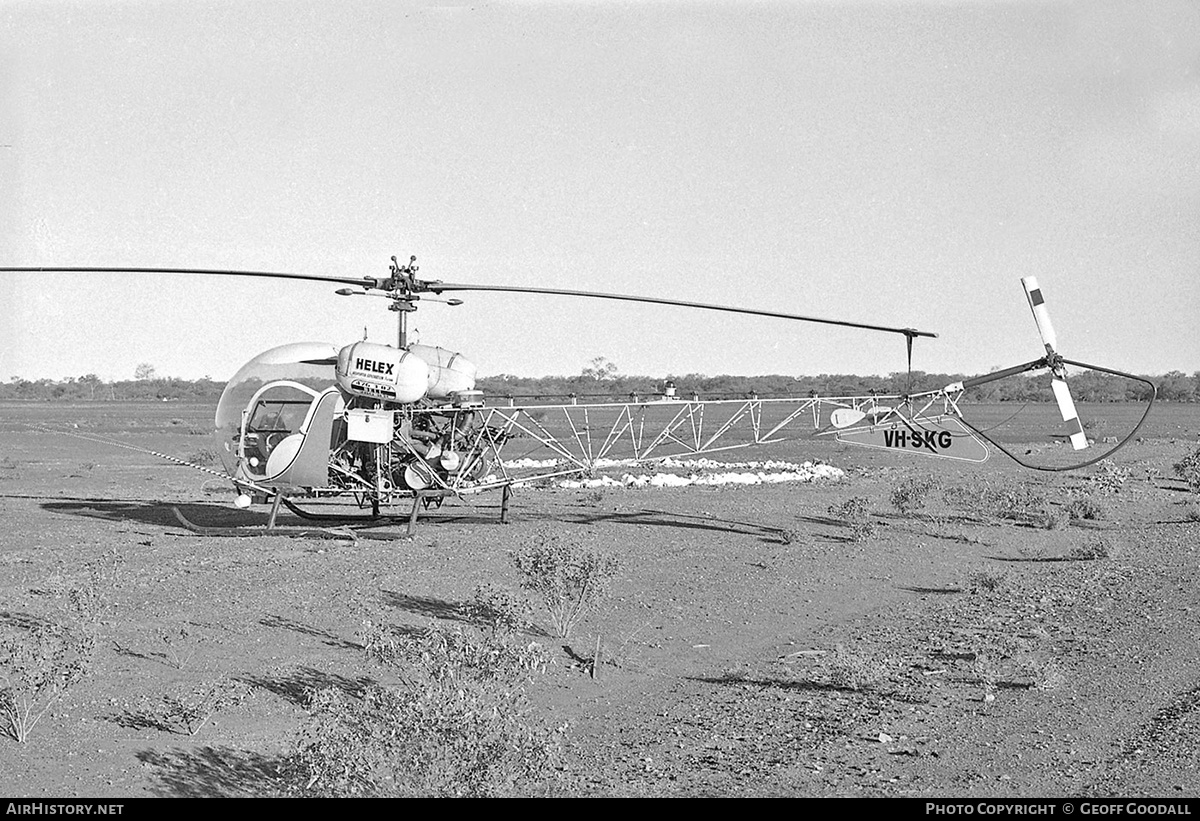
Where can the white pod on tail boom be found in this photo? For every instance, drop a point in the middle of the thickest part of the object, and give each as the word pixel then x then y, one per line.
pixel 1058 382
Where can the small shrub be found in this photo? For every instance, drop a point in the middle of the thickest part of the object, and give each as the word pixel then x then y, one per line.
pixel 497 657
pixel 1019 502
pixel 912 494
pixel 457 724
pixel 40 662
pixel 1094 548
pixel 498 608
pixel 1005 501
pixel 988 581
pixel 570 579
pixel 188 712
pixel 1052 518
pixel 37 666
pixel 1188 469
pixel 179 646
pixel 861 531
pixel 855 514
pixel 1109 476
pixel 971 497
pixel 88 602
pixel 1085 507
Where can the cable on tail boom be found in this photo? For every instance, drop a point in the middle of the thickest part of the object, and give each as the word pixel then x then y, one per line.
pixel 1051 362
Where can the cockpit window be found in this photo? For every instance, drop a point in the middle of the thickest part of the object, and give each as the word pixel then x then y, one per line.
pixel 304 368
pixel 277 413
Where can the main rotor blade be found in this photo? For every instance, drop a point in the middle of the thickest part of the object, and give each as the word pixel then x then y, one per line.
pixel 439 287
pixel 361 281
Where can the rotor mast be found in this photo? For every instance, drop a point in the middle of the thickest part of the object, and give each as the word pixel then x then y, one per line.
pixel 401 285
pixel 402 330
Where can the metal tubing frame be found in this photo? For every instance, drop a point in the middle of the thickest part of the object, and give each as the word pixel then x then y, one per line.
pixel 581 451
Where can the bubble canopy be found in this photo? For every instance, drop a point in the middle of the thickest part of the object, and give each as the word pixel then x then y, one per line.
pixel 293 375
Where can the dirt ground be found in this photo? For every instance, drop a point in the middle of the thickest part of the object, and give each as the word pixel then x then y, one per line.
pixel 751 646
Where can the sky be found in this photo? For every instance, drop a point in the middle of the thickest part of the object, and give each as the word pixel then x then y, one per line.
pixel 893 163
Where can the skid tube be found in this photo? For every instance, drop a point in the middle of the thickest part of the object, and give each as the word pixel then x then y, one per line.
pixel 243 531
pixel 421 498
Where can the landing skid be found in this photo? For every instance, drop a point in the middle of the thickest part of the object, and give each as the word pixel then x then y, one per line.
pixel 270 530
pixel 371 518
pixel 421 498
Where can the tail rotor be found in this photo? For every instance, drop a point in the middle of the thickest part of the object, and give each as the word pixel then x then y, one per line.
pixel 1058 371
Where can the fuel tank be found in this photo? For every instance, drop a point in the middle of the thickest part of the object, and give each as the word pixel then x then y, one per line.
pixel 449 372
pixel 382 372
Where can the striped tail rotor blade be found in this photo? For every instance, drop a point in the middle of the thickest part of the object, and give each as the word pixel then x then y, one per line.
pixel 1066 406
pixel 1062 394
pixel 1040 315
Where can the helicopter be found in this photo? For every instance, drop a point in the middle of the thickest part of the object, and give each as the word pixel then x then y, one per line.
pixel 386 424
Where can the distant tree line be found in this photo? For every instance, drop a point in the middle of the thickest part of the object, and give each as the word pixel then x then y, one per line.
pixel 602 381
pixel 91 388
pixel 1086 386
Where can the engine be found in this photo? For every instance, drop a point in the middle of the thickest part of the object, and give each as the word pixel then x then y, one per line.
pixel 414 449
pixel 411 420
